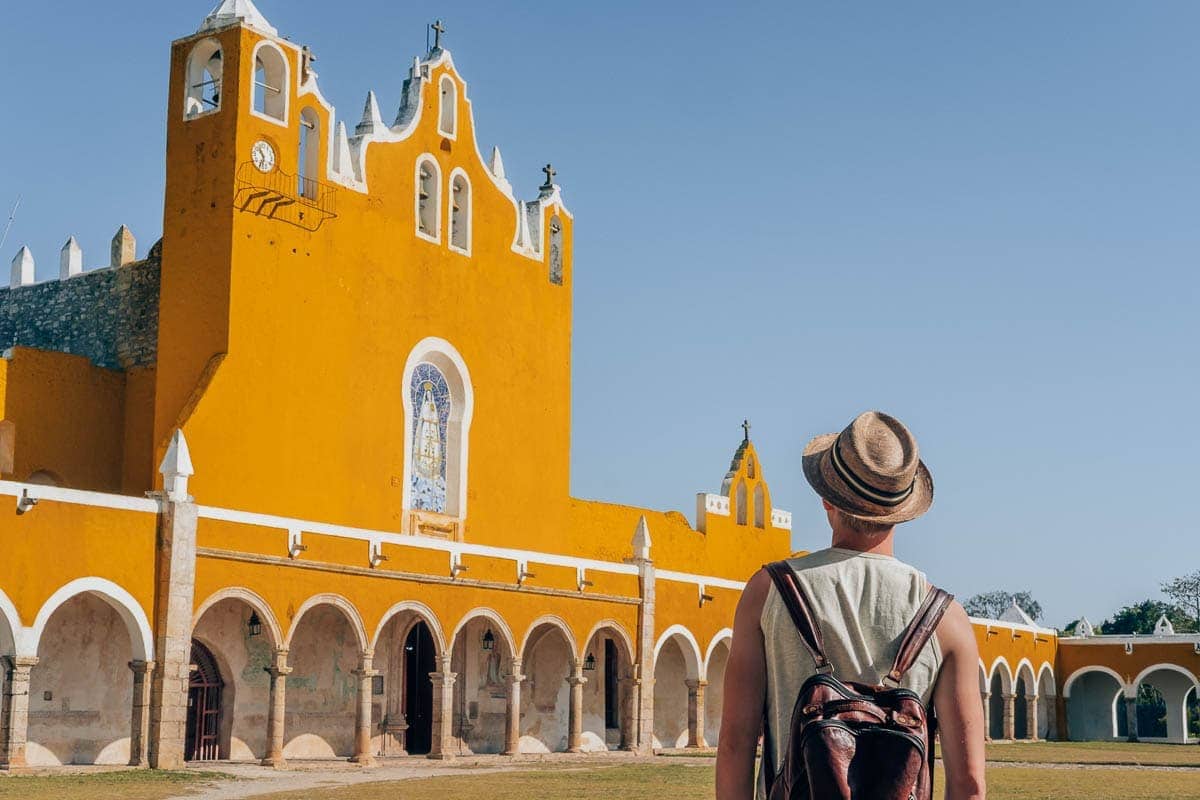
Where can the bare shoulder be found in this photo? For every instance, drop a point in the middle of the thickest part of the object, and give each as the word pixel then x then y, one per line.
pixel 955 634
pixel 754 596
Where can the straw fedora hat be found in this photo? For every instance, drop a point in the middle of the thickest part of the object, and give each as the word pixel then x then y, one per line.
pixel 871 470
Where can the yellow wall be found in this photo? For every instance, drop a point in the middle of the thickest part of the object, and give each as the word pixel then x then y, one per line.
pixel 69 418
pixel 57 543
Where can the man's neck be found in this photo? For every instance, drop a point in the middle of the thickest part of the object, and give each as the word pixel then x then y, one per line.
pixel 879 545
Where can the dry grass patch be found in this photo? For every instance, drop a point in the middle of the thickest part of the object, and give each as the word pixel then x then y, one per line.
pixel 118 785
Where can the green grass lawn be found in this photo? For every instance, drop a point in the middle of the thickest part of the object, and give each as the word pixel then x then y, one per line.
pixel 119 785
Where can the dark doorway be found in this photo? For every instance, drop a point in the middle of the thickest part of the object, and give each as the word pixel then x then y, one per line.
pixel 419 661
pixel 611 685
pixel 202 741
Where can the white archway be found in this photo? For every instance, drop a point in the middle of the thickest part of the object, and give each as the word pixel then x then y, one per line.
pixel 493 616
pixel 1079 673
pixel 619 632
pixel 723 635
pixel 127 607
pixel 255 601
pixel 691 653
pixel 272 83
pixel 338 602
pixel 422 611
pixel 446 358
pixel 554 621
pixel 1168 668
pixel 10 626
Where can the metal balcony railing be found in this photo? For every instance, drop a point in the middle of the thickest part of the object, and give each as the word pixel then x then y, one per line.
pixel 296 200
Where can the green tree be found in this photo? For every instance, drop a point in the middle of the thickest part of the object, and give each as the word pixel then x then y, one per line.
pixel 1142 617
pixel 1184 591
pixel 990 605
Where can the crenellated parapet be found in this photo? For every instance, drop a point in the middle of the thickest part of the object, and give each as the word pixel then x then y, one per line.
pixel 108 314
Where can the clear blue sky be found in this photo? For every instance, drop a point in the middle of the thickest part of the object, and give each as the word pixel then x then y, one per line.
pixel 981 217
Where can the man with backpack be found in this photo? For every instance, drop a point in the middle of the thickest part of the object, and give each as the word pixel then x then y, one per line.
pixel 847 661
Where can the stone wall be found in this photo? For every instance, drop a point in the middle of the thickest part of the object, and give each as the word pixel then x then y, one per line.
pixel 109 316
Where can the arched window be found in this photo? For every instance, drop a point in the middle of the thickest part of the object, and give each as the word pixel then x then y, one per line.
pixel 438 403
pixel 448 109
pixel 270 95
pixel 204 72
pixel 556 251
pixel 429 179
pixel 750 471
pixel 760 511
pixel 741 503
pixel 308 166
pixel 460 212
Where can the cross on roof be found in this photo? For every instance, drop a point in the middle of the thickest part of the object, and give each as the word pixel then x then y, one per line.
pixel 438 29
pixel 550 173
pixel 746 428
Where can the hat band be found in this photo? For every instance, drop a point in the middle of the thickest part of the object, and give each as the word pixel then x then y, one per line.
pixel 860 487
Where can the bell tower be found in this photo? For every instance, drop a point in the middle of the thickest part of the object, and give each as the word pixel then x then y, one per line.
pixel 230 108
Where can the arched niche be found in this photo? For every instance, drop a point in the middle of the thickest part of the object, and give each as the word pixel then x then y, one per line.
pixel 269 95
pixel 203 76
pixel 439 403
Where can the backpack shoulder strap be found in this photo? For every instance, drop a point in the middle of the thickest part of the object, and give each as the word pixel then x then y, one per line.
pixel 919 632
pixel 797 606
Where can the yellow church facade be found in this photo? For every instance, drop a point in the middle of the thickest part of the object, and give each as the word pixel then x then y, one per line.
pixel 311 498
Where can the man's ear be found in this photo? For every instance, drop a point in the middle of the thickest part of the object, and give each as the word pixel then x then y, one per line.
pixel 826 504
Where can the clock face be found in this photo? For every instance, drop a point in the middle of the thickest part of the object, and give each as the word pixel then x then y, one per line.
pixel 263 156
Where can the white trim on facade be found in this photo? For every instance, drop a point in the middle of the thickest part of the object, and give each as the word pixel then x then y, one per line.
pixel 37 491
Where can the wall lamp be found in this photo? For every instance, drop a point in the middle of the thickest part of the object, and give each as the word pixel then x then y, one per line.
pixel 489 640
pixel 25 502
pixel 254 624
pixel 589 663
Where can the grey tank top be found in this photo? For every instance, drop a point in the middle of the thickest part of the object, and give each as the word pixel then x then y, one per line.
pixel 862 603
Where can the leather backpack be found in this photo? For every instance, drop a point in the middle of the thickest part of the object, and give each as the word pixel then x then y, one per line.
pixel 851 741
